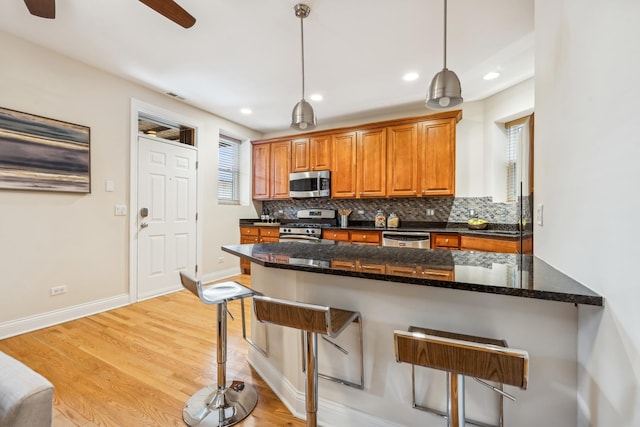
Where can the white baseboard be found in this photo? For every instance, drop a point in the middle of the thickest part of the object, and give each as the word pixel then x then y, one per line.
pixel 39 321
pixel 221 274
pixel 330 413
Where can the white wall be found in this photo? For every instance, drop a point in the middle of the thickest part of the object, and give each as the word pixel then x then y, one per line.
pixel 586 175
pixel 50 239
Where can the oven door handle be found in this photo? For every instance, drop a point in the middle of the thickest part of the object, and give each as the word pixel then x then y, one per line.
pixel 294 237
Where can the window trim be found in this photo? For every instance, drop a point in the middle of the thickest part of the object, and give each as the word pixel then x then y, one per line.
pixel 231 167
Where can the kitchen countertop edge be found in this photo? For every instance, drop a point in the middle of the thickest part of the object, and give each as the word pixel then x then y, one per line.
pixel 556 276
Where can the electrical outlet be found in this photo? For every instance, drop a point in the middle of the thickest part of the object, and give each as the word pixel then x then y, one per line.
pixel 431 212
pixel 120 210
pixel 472 213
pixel 220 259
pixel 57 290
pixel 360 212
pixel 539 210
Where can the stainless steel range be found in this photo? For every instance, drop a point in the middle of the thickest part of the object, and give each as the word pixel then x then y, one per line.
pixel 310 225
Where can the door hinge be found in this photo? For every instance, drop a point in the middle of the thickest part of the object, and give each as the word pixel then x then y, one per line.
pixel 196 268
pixel 196 216
pixel 197 162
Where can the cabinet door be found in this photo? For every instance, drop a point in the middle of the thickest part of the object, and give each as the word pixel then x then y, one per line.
pixel 402 160
pixel 437 157
pixel 320 153
pixel 372 163
pixel 343 171
pixel 300 155
pixel 261 171
pixel 280 168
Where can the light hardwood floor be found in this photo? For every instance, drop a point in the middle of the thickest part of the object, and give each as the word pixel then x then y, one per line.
pixel 138 365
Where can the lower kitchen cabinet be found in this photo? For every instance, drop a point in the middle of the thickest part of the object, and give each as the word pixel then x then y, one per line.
pixel 338 235
pixel 373 238
pixel 358 266
pixel 251 235
pixel 445 241
pixel 495 244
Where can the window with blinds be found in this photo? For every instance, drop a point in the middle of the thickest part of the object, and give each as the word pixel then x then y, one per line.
pixel 228 170
pixel 514 134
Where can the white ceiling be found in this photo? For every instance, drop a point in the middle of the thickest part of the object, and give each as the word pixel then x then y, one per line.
pixel 247 53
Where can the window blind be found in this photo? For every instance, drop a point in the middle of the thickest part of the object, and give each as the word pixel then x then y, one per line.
pixel 228 170
pixel 514 134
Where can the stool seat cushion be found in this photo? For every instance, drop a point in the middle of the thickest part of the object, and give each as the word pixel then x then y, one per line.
pixel 26 397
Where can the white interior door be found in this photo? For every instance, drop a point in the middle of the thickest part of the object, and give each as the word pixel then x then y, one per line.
pixel 167 188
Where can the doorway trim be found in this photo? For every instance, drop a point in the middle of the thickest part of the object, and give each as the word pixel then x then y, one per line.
pixel 138 107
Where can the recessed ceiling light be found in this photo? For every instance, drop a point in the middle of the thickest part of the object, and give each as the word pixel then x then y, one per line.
pixel 409 77
pixel 245 110
pixel 316 97
pixel 492 75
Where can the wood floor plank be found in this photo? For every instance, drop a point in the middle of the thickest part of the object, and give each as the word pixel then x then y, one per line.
pixel 138 365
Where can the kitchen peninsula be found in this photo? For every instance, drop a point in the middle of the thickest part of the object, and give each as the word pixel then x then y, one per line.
pixel 518 298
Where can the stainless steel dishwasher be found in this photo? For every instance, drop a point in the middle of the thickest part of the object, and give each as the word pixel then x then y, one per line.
pixel 407 239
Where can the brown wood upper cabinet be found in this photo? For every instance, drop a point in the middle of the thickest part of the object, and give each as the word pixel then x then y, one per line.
pixel 371 163
pixel 343 170
pixel 402 160
pixel 410 157
pixel 271 167
pixel 437 157
pixel 359 164
pixel 311 154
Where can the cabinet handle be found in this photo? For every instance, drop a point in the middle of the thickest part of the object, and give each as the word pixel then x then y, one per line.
pixel 446 240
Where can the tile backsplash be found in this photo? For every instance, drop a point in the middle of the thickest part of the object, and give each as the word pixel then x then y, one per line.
pixel 445 209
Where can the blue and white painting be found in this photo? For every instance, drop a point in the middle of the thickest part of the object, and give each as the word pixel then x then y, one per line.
pixel 37 153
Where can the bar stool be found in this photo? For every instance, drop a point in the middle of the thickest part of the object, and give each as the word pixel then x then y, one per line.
pixel 312 320
pixel 459 355
pixel 224 403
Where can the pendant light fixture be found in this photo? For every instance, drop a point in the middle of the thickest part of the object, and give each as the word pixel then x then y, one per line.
pixel 444 90
pixel 302 117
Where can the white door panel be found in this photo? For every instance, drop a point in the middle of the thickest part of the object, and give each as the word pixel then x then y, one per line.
pixel 167 236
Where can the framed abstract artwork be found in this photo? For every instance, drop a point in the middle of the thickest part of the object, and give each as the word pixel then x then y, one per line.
pixel 38 153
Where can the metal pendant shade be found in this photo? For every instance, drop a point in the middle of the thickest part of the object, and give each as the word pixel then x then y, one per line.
pixel 445 90
pixel 302 117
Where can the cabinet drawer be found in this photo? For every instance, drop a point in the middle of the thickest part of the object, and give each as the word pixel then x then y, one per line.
pixel 249 231
pixel 398 270
pixel 269 232
pixel 340 235
pixel 368 237
pixel 429 273
pixel 445 241
pixel 372 268
pixel 343 265
pixel 470 243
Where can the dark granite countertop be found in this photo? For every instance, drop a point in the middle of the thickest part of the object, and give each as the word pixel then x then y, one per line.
pixel 502 231
pixel 506 274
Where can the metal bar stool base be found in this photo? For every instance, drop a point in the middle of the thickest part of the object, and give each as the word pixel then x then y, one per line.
pixel 210 407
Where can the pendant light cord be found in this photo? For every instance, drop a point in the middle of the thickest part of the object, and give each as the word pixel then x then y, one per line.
pixel 445 34
pixel 302 49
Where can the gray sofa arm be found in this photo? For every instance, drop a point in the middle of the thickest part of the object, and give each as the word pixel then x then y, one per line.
pixel 26 397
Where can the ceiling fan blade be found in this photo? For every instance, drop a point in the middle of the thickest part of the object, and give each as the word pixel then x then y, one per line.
pixel 171 10
pixel 42 8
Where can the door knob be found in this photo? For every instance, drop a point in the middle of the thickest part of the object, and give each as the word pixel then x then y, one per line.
pixel 144 212
pixel 144 225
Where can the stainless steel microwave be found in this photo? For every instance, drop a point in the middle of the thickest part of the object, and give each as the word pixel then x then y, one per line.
pixel 310 184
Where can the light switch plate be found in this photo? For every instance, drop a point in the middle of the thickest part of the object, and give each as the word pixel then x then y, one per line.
pixel 108 185
pixel 539 210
